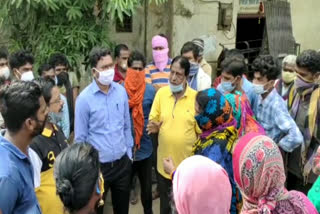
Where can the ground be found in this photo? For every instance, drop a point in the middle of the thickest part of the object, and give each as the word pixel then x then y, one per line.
pixel 134 209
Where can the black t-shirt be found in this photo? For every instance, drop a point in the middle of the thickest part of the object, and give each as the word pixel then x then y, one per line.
pixel 48 146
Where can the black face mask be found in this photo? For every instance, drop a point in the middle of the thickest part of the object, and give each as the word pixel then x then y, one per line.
pixel 63 78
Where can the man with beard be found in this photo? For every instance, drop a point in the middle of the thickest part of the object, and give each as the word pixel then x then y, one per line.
pixel 67 82
pixel 47 146
pixel 46 71
pixel 25 113
pixel 304 107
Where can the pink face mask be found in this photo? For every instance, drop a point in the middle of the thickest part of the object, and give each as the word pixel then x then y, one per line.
pixel 160 57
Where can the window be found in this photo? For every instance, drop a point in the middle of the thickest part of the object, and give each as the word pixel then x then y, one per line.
pixel 125 26
pixel 249 2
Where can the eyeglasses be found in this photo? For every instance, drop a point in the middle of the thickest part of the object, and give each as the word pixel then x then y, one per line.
pixel 56 102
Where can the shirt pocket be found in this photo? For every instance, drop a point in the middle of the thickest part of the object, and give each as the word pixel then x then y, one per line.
pixel 98 116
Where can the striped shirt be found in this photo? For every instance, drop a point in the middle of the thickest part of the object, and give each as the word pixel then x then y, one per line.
pixel 156 77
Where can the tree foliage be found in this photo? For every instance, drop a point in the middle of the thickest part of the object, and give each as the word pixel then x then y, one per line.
pixel 71 27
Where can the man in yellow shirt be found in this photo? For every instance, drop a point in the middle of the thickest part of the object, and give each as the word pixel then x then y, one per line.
pixel 172 116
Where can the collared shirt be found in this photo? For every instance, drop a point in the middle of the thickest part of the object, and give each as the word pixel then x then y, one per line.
pixel 206 67
pixel 146 147
pixel 273 115
pixel 47 147
pixel 65 122
pixel 247 88
pixel 156 77
pixel 103 120
pixel 17 194
pixel 179 128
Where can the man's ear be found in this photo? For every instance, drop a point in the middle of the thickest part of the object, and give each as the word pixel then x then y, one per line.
pixel 29 124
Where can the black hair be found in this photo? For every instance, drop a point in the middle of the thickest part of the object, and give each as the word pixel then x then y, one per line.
pixel 119 48
pixel 184 64
pixel 3 53
pixel 18 102
pixel 59 59
pixel 20 58
pixel 163 35
pixel 96 54
pixel 234 65
pixel 190 46
pixel 76 173
pixel 136 56
pixel 44 67
pixel 309 59
pixel 267 66
pixel 46 85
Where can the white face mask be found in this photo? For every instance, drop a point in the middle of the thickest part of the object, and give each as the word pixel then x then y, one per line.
pixel 27 76
pixel 106 77
pixel 5 72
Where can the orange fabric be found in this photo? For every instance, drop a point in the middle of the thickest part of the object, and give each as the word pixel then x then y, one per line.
pixel 135 86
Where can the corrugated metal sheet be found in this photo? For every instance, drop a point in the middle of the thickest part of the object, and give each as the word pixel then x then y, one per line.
pixel 278 34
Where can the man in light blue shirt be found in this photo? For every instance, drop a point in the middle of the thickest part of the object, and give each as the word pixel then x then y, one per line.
pixel 25 113
pixel 270 109
pixel 246 87
pixel 102 119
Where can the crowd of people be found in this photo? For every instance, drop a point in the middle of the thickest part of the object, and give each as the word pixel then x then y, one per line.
pixel 245 142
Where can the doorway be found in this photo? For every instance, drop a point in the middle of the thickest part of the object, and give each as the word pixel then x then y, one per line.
pixel 249 38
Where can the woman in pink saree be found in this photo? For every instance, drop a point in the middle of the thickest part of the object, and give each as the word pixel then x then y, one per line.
pixel 259 174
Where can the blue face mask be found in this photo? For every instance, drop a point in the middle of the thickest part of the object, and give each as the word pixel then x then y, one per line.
pixel 176 88
pixel 258 89
pixel 193 69
pixel 227 86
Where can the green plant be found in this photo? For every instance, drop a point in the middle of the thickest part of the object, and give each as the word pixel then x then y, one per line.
pixel 72 27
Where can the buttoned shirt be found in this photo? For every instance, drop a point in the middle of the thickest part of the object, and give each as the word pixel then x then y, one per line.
pixel 179 129
pixel 273 115
pixel 103 120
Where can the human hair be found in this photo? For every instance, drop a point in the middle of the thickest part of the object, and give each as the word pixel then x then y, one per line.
pixel 20 58
pixel 163 35
pixel 3 53
pixel 234 65
pixel 76 173
pixel 119 48
pixel 46 85
pixel 136 56
pixel 190 46
pixel 96 54
pixel 289 60
pixel 58 59
pixel 266 66
pixel 44 67
pixel 184 64
pixel 310 60
pixel 18 102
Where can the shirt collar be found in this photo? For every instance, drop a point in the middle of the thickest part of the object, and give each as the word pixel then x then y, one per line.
pixel 186 93
pixel 95 88
pixel 48 132
pixel 269 98
pixel 11 147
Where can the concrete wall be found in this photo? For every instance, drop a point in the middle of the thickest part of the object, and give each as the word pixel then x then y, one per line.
pixel 148 20
pixel 306 23
pixel 194 18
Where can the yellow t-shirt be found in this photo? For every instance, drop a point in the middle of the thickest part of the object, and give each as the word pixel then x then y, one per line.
pixel 179 129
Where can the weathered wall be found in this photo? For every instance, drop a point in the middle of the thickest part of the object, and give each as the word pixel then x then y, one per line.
pixel 306 23
pixel 148 20
pixel 194 18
